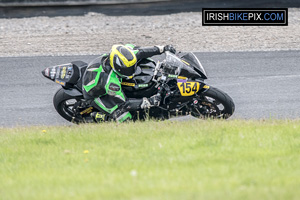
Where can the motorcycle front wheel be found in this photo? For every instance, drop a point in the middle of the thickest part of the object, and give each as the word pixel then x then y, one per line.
pixel 213 103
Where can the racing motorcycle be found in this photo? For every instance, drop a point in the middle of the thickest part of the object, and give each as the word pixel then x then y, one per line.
pixel 178 79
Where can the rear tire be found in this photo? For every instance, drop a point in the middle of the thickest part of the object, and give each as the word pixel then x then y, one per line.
pixel 214 103
pixel 62 105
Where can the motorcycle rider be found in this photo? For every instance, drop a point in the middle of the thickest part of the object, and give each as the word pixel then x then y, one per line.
pixel 102 81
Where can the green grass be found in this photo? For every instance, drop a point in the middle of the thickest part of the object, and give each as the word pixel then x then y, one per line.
pixel 198 159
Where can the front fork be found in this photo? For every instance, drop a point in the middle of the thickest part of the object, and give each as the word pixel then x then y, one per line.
pixel 197 100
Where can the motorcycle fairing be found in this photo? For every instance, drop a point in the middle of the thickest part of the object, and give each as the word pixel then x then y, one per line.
pixel 188 88
pixel 64 74
pixel 193 62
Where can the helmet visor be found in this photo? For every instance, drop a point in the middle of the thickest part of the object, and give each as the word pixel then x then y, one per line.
pixel 121 69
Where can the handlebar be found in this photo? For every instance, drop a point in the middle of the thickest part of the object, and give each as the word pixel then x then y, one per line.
pixel 158 66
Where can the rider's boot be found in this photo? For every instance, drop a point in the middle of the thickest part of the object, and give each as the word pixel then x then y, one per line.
pixel 98 117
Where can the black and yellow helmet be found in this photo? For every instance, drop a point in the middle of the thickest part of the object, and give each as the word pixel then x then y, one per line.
pixel 123 61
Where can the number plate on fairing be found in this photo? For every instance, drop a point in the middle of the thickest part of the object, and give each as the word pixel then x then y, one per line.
pixel 188 88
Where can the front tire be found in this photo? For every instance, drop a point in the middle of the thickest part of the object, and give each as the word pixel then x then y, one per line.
pixel 214 103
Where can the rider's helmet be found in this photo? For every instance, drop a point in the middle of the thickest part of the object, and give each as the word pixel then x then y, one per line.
pixel 123 61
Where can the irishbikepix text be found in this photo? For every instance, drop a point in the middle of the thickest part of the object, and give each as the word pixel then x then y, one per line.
pixel 245 16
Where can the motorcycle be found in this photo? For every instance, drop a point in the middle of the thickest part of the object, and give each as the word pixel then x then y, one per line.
pixel 178 79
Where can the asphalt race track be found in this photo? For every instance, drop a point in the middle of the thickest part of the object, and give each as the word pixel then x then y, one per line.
pixel 263 85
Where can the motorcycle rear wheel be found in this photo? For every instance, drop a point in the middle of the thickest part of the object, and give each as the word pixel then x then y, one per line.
pixel 64 104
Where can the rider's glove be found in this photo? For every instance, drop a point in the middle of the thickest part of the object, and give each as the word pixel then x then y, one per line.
pixel 152 101
pixel 170 48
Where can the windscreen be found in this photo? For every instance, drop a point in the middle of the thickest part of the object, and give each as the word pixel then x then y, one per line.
pixel 193 61
pixel 174 63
